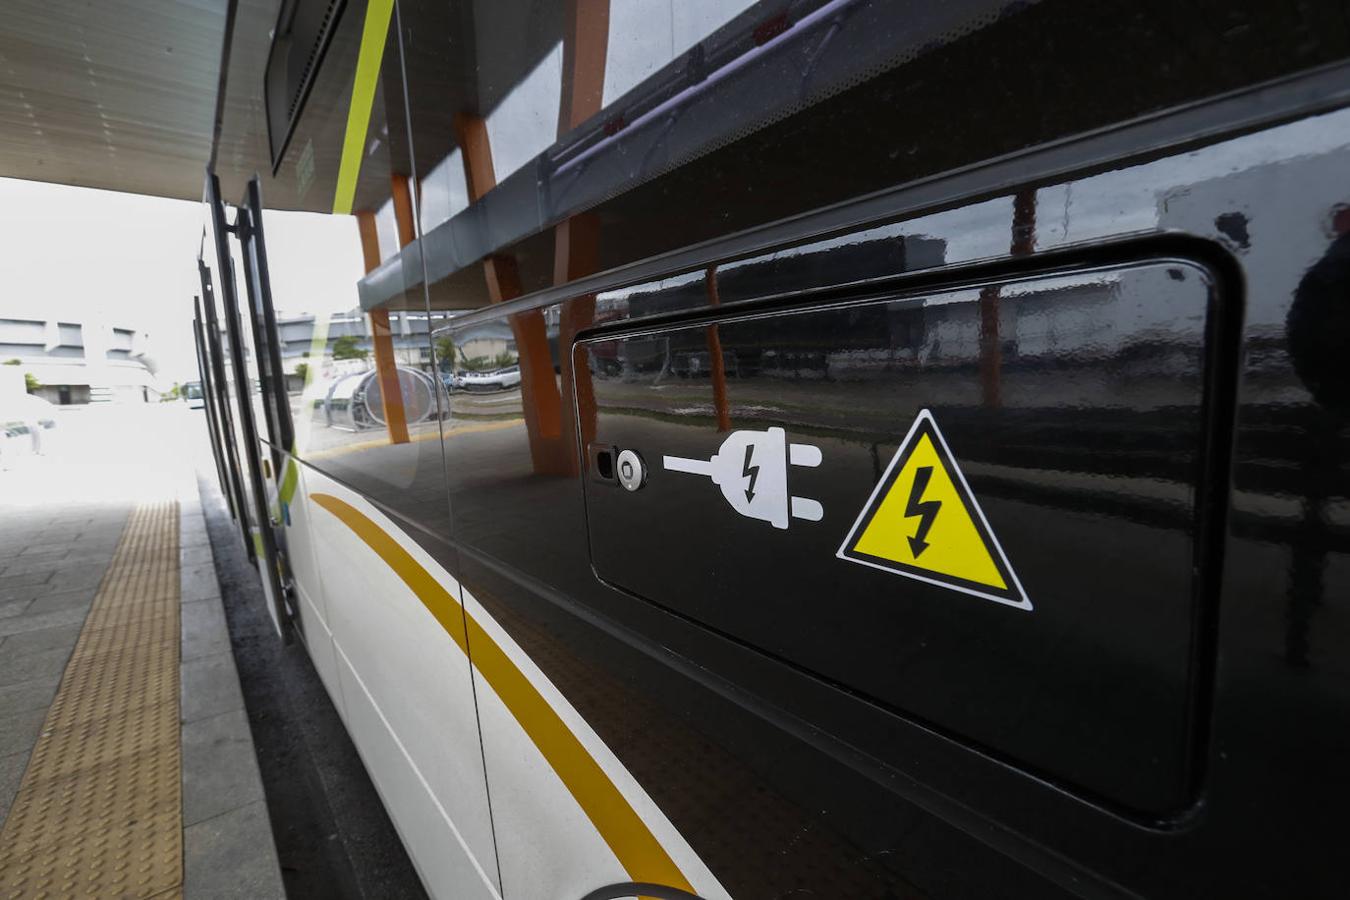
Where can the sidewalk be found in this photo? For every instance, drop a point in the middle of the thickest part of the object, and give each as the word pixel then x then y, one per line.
pixel 126 762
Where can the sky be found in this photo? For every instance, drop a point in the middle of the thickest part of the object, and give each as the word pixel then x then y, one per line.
pixel 83 254
pixel 80 254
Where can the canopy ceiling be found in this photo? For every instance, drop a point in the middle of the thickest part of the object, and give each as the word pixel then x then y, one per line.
pixel 113 94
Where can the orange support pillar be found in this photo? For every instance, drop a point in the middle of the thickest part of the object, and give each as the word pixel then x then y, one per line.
pixel 403 209
pixel 391 393
pixel 585 45
pixel 549 417
pixel 540 400
pixel 370 240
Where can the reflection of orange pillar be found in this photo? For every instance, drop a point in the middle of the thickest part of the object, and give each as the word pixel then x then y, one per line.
pixel 403 209
pixel 1024 223
pixel 719 367
pixel 538 387
pixel 542 406
pixel 576 241
pixel 576 253
pixel 991 354
pixel 391 393
pixel 585 42
pixel 991 350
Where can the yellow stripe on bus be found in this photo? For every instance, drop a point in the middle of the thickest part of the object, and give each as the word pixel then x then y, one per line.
pixel 373 37
pixel 637 849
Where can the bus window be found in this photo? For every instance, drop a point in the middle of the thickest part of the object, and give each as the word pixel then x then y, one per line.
pixel 368 402
pixel 365 397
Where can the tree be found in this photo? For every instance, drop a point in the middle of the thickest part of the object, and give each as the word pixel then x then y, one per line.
pixel 302 370
pixel 30 381
pixel 345 348
pixel 445 352
pixel 504 359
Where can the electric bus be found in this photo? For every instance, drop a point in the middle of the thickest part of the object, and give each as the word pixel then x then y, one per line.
pixel 830 448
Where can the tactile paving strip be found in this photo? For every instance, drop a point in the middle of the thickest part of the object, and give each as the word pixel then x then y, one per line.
pixel 99 811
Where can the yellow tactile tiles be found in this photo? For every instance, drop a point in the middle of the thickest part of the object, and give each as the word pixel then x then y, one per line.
pixel 99 810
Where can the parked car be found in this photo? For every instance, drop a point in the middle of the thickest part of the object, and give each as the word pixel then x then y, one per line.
pixel 25 423
pixel 495 380
pixel 16 440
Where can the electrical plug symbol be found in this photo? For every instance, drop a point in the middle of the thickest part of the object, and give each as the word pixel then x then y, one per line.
pixel 751 468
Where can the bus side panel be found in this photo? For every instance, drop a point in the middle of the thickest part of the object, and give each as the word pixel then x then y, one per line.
pixel 309 590
pixel 406 688
pixel 781 780
pixel 767 808
pixel 569 815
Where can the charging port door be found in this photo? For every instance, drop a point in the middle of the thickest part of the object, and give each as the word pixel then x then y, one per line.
pixel 993 535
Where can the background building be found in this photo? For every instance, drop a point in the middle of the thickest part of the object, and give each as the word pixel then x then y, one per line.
pixel 78 362
pixel 487 346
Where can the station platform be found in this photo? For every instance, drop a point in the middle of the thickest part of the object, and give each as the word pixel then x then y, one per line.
pixel 157 739
pixel 127 765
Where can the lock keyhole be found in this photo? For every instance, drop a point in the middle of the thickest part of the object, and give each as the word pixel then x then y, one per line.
pixel 632 470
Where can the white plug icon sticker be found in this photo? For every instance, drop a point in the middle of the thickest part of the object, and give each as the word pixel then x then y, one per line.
pixel 751 467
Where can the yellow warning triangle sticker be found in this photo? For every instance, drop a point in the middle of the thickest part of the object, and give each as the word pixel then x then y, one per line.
pixel 922 521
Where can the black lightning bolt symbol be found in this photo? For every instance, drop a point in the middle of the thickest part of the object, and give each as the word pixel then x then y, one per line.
pixel 751 472
pixel 927 510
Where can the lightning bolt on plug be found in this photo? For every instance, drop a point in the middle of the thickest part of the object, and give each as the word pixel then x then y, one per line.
pixel 749 471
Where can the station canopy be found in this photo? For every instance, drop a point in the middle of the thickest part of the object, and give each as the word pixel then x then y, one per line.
pixel 120 94
pixel 142 95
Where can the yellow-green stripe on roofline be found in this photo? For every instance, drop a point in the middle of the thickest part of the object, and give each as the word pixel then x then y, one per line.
pixel 368 62
pixel 370 58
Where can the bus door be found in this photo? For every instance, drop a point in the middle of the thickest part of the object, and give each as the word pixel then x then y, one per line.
pixel 208 400
pixel 218 391
pixel 246 408
pixel 272 398
pixel 262 317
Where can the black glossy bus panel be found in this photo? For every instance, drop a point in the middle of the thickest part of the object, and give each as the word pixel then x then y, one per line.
pixel 785 780
pixel 1265 536
pixel 744 779
pixel 1082 444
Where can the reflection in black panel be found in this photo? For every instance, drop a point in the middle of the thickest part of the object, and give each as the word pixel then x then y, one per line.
pixel 1084 460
